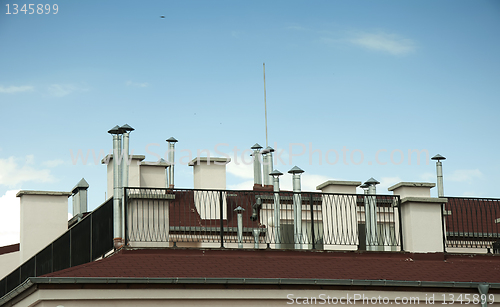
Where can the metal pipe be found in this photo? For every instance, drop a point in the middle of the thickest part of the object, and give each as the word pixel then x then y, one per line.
pixel 171 158
pixel 270 165
pixel 371 215
pixel 257 169
pixel 256 234
pixel 117 214
pixel 265 169
pixel 124 182
pixel 439 171
pixel 297 207
pixel 277 208
pixel 239 211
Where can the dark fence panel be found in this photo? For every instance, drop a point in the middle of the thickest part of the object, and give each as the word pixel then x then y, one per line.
pixel 250 219
pixel 86 241
pixel 472 222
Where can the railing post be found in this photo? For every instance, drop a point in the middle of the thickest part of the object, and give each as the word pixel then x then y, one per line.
pixel 443 227
pixel 125 215
pixel 312 221
pixel 400 224
pixel 221 211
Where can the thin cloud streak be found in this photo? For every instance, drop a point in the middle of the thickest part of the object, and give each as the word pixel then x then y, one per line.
pixel 16 89
pixel 384 42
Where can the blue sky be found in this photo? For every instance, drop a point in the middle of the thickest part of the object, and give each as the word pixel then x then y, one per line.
pixel 358 76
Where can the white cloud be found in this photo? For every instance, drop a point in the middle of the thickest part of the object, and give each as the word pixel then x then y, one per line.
pixel 385 42
pixel 15 89
pixel 9 218
pixel 61 90
pixel 136 84
pixel 12 174
pixel 53 163
pixel 462 175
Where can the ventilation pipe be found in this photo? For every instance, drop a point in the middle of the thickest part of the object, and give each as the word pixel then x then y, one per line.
pixel 171 151
pixel 268 165
pixel 277 207
pixel 126 129
pixel 297 206
pixel 371 214
pixel 117 210
pixel 239 210
pixel 483 290
pixel 265 170
pixel 257 170
pixel 439 170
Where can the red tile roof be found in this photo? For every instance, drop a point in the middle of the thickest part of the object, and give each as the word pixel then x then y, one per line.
pixel 199 263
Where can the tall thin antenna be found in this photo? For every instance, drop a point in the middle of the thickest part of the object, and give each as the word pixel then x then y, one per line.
pixel 265 103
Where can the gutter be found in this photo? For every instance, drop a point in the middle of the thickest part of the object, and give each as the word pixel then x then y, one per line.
pixel 244 281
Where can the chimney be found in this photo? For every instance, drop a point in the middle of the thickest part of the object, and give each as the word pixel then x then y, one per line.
pixel 44 217
pixel 297 206
pixel 171 160
pixel 117 186
pixel 257 170
pixel 439 170
pixel 79 198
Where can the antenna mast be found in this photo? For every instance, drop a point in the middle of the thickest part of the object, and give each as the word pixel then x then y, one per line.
pixel 265 104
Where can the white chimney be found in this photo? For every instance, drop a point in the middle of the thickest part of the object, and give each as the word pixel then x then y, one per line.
pixel 44 217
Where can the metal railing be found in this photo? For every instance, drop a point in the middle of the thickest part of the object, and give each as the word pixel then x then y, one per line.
pixel 472 223
pixel 250 219
pixel 86 241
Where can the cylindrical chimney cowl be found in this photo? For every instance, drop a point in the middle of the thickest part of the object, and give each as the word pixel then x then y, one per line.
pixel 371 214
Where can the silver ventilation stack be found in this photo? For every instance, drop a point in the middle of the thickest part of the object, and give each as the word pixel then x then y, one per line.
pixel 371 214
pixel 268 165
pixel 171 158
pixel 297 206
pixel 239 210
pixel 439 170
pixel 257 170
pixel 117 209
pixel 124 158
pixel 277 207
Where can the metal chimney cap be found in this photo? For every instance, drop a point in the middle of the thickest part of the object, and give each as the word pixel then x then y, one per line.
pixel 295 170
pixel 126 127
pixel 115 130
pixel 371 181
pixel 364 186
pixel 275 173
pixel 172 140
pixel 256 146
pixel 269 149
pixel 239 209
pixel 438 157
